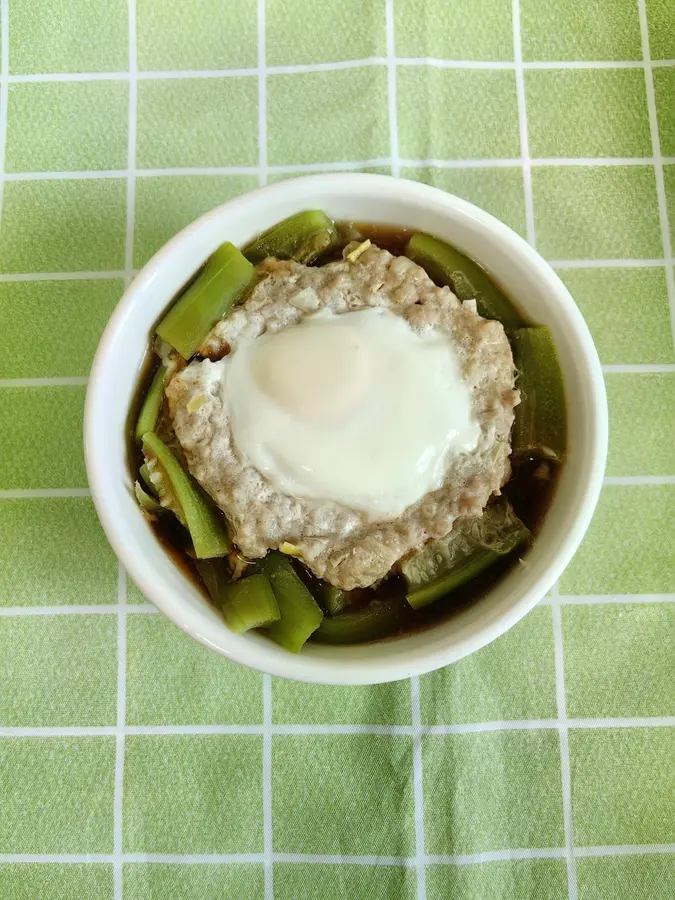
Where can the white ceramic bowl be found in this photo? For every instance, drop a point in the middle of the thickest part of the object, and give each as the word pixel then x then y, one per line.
pixel 369 198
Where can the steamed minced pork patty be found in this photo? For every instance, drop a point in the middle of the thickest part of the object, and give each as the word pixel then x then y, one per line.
pixel 342 543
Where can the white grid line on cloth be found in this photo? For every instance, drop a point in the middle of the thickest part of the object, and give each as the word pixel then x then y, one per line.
pixel 62 276
pixel 345 164
pixel 262 95
pixel 418 786
pixel 467 859
pixel 81 610
pixel 588 64
pixel 57 381
pixel 42 493
pixel 118 804
pixel 625 850
pixel 338 859
pixel 392 90
pixel 593 599
pixel 118 801
pixel 637 479
pixel 625 263
pixel 403 731
pixel 68 175
pixel 658 163
pixel 131 146
pixel 4 71
pixel 267 786
pixel 587 161
pixel 464 859
pixel 432 62
pixel 438 163
pixel 565 770
pixel 639 368
pixel 522 125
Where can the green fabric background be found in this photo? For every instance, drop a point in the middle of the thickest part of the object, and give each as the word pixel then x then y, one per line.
pixel 135 764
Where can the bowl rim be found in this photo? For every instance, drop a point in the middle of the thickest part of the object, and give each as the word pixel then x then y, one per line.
pixel 322 671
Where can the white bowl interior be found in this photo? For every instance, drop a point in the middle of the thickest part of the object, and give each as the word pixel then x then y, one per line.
pixel 369 198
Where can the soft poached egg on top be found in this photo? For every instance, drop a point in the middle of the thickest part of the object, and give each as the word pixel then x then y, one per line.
pixel 356 408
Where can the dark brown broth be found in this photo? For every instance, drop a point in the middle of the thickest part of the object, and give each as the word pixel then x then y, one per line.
pixel 388 237
pixel 530 496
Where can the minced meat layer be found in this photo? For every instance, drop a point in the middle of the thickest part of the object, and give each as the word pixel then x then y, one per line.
pixel 337 543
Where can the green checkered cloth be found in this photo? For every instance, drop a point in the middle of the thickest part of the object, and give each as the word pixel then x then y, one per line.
pixel 134 763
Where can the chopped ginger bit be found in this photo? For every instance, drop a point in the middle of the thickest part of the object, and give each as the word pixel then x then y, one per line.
pixel 194 404
pixel 289 549
pixel 357 251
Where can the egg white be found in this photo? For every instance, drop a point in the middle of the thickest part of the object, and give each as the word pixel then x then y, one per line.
pixel 356 408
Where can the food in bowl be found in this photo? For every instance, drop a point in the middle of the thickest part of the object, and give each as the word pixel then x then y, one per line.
pixel 348 430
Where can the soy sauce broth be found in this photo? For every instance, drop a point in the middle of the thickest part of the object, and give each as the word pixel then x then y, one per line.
pixel 388 237
pixel 530 489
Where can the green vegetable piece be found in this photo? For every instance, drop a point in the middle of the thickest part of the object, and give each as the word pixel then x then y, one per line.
pixel 301 237
pixel 163 488
pixel 215 573
pixel 498 529
pixel 147 419
pixel 249 603
pixel 377 620
pixel 300 613
pixel 347 232
pixel 222 281
pixel 206 528
pixel 473 545
pixel 332 598
pixel 464 572
pixel 540 426
pixel 447 266
pixel 145 501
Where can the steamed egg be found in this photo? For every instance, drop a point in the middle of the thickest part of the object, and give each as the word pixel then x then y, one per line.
pixel 356 408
